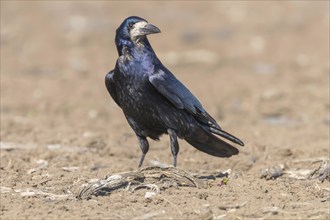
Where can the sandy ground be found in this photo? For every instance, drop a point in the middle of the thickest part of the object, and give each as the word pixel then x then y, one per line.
pixel 261 69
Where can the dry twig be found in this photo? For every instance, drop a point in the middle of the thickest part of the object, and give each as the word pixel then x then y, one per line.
pixel 151 177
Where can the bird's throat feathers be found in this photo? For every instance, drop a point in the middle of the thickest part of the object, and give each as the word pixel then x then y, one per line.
pixel 132 48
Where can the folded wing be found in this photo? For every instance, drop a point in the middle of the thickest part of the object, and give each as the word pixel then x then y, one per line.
pixel 170 87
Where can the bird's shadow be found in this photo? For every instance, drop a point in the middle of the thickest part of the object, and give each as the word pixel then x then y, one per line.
pixel 213 176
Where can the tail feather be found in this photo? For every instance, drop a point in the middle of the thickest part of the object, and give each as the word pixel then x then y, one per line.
pixel 226 135
pixel 208 143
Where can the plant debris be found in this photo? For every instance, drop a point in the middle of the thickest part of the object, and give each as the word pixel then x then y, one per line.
pixel 151 177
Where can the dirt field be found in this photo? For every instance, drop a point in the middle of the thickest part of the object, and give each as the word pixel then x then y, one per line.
pixel 261 69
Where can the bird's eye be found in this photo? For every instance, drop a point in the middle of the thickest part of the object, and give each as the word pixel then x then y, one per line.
pixel 130 25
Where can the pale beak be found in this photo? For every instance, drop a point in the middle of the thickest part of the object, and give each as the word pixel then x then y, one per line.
pixel 142 29
pixel 148 29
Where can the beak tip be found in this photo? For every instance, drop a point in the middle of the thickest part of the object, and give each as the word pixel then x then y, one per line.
pixel 152 29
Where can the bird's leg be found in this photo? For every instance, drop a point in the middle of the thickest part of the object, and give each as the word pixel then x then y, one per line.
pixel 174 145
pixel 144 145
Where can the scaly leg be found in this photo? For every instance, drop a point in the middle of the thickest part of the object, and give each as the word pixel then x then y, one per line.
pixel 174 145
pixel 144 145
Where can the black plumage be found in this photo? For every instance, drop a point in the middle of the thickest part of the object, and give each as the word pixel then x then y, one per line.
pixel 154 102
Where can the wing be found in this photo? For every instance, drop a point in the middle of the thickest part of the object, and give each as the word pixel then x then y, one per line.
pixel 170 87
pixel 110 84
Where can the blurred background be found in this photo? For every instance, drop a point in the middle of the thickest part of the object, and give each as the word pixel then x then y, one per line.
pixel 259 67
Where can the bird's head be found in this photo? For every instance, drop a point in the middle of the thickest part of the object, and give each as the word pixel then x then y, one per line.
pixel 134 29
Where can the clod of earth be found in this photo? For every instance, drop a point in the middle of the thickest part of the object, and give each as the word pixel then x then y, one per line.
pixel 273 172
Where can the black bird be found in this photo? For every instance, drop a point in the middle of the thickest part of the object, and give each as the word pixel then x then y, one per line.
pixel 155 102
